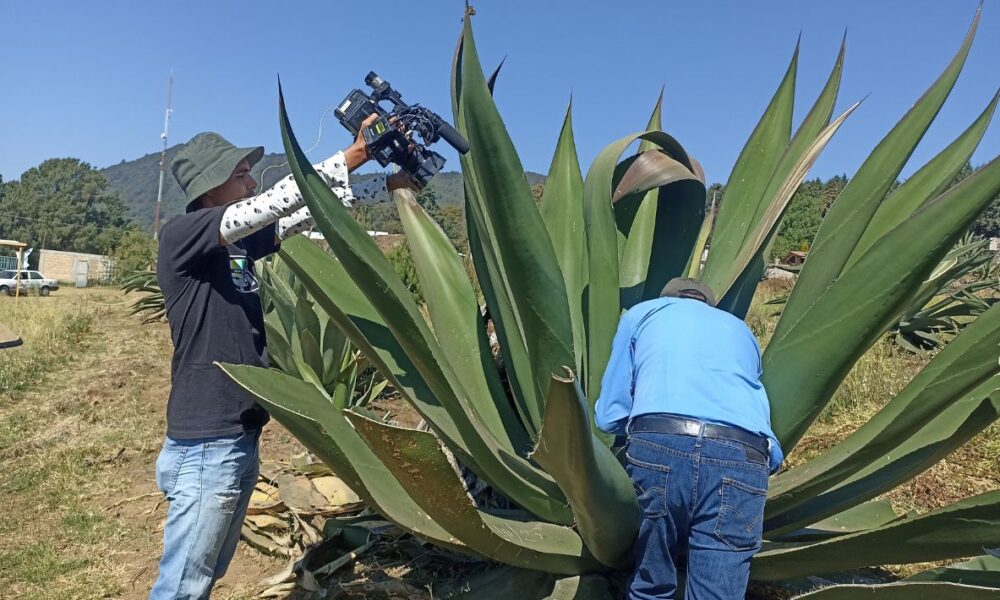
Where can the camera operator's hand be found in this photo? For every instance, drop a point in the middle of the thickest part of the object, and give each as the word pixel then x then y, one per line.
pixel 401 180
pixel 357 153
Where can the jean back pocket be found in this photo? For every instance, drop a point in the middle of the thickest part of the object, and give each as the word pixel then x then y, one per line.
pixel 740 523
pixel 650 483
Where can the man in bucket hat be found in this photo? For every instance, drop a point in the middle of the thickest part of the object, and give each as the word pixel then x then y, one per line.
pixel 209 464
pixel 683 382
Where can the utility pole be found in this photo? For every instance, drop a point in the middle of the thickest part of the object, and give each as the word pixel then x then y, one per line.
pixel 163 156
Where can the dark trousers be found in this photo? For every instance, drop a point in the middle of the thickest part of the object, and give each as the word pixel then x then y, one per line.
pixel 703 506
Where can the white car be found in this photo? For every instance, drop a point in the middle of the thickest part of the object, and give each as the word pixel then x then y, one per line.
pixel 27 281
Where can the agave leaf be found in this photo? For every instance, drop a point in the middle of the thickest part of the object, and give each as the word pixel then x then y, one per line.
pixel 458 324
pixel 868 515
pixel 805 363
pixel 306 412
pixel 311 359
pixel 902 591
pixel 329 282
pixel 982 570
pixel 521 280
pixel 962 529
pixel 693 269
pixel 415 458
pixel 666 225
pixel 278 350
pixel 636 245
pixel 924 448
pixel 748 181
pixel 603 300
pixel 925 184
pixel 963 365
pixel 537 290
pixel 597 488
pixel 493 77
pixel 852 212
pixel 562 212
pixel 751 256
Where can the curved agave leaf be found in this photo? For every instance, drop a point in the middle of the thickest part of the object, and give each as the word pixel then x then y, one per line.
pixel 333 287
pixel 962 529
pixel 805 363
pixel 963 365
pixel 902 591
pixel 458 324
pixel 636 244
pixel 603 299
pixel 598 489
pixel 415 458
pixel 852 212
pixel 660 239
pixel 562 212
pixel 308 414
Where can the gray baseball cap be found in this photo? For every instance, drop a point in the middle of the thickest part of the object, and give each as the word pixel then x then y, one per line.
pixel 685 287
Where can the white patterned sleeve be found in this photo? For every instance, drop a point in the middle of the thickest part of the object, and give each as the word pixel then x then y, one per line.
pixel 373 190
pixel 283 202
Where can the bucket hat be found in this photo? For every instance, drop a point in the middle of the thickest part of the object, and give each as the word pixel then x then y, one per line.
pixel 206 162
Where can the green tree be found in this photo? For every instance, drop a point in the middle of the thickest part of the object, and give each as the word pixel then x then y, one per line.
pixel 136 251
pixel 798 228
pixel 63 204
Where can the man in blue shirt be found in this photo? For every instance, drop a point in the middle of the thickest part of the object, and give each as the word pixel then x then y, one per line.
pixel 683 383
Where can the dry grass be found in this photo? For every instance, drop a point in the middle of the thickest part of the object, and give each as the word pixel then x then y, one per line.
pixel 81 421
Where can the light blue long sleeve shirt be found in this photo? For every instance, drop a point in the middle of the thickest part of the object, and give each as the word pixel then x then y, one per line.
pixel 684 357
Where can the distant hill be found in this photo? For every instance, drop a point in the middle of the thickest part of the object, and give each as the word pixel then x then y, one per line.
pixel 136 182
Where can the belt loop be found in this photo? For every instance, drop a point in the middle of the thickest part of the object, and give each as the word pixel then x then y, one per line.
pixel 701 433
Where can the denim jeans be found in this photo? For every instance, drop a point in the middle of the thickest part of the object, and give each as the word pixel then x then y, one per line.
pixel 208 483
pixel 703 507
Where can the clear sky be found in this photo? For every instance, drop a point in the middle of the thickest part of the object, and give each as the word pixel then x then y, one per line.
pixel 88 79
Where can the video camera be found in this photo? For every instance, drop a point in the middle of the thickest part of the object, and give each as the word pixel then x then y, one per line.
pixel 389 138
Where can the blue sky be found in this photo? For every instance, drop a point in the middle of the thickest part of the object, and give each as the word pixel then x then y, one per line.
pixel 88 79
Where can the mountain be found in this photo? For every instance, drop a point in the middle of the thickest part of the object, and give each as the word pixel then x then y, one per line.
pixel 136 183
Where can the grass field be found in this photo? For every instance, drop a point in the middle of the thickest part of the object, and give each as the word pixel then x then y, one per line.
pixel 82 418
pixel 82 407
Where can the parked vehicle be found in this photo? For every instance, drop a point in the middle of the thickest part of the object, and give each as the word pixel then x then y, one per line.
pixel 27 281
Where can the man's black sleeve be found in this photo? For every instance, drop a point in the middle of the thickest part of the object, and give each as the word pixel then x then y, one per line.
pixel 187 239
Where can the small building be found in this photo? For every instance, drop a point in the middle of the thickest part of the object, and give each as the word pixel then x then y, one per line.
pixel 795 258
pixel 77 268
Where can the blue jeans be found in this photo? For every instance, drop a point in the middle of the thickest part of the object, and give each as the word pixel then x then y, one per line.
pixel 703 506
pixel 208 483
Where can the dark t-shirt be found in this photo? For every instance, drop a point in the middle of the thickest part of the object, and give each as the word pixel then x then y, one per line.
pixel 215 314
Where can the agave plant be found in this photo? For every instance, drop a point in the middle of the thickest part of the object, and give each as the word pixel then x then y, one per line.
pixel 555 281
pixel 948 301
pixel 304 343
pixel 959 289
pixel 151 304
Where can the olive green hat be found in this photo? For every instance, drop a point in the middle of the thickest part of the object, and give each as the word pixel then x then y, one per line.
pixel 206 162
pixel 685 287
